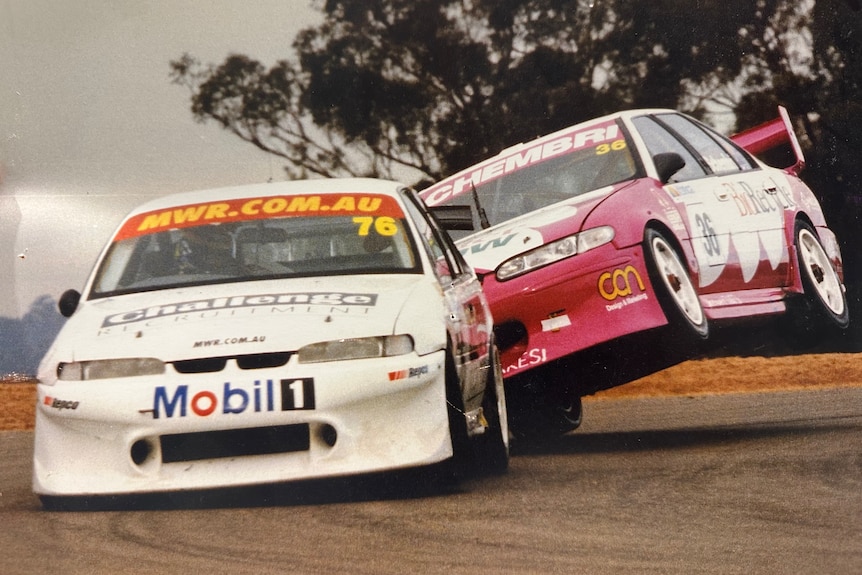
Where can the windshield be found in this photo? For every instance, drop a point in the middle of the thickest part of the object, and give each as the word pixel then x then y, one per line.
pixel 542 184
pixel 264 246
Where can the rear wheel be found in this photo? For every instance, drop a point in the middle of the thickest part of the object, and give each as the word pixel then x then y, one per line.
pixel 673 286
pixel 823 303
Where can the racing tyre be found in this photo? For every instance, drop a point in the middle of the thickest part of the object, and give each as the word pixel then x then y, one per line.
pixel 673 286
pixel 537 413
pixel 492 447
pixel 823 304
pixel 567 416
pixel 547 422
pixel 461 447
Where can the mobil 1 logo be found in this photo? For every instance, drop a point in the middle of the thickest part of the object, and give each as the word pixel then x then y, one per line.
pixel 297 393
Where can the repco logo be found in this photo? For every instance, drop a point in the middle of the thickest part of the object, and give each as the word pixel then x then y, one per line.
pixel 405 373
pixel 60 403
pixel 618 283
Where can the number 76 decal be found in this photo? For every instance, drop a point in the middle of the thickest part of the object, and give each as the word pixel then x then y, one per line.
pixel 384 225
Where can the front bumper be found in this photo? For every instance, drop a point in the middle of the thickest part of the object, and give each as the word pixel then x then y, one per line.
pixel 572 305
pixel 240 427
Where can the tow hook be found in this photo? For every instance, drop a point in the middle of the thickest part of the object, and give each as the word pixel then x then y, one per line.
pixel 476 422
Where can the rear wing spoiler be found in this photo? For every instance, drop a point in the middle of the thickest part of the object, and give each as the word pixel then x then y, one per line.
pixel 771 135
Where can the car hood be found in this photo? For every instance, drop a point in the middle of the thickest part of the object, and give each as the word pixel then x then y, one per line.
pixel 236 319
pixel 487 249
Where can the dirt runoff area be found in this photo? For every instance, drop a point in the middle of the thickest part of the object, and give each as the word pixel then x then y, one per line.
pixel 700 376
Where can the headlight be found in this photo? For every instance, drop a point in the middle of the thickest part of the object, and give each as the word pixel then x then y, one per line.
pixel 109 368
pixel 359 348
pixel 554 252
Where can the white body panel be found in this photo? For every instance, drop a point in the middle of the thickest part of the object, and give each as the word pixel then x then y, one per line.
pixel 381 425
pixel 233 404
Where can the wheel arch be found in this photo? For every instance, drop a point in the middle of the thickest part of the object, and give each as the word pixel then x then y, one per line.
pixel 802 216
pixel 679 299
pixel 812 308
pixel 795 285
pixel 683 248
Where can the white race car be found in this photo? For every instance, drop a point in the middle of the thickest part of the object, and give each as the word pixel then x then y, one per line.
pixel 268 333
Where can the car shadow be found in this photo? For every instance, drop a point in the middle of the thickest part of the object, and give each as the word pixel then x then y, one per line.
pixel 668 439
pixel 770 337
pixel 638 355
pixel 625 360
pixel 433 481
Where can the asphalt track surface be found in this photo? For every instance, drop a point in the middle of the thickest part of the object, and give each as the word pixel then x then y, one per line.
pixel 749 483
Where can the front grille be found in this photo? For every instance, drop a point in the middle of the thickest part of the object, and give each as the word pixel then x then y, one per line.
pixel 234 443
pixel 262 360
pixel 214 364
pixel 203 365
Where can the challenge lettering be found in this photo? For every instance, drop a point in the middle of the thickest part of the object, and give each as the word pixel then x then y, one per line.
pixel 327 299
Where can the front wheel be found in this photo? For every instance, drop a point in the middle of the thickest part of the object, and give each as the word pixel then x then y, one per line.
pixel 673 286
pixel 823 303
pixel 492 446
pixel 542 406
pixel 455 412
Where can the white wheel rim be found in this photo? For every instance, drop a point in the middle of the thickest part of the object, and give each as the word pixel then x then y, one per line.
pixel 675 278
pixel 817 267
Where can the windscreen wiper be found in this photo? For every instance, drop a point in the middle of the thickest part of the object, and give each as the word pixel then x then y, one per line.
pixel 483 217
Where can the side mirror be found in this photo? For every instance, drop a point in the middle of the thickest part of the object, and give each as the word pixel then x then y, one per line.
pixel 454 217
pixel 667 164
pixel 69 302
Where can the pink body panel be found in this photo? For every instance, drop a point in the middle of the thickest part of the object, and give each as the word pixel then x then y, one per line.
pixel 735 232
pixel 574 305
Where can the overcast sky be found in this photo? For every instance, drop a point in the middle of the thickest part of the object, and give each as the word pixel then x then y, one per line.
pixel 92 126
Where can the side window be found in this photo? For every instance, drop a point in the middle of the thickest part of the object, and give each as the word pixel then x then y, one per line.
pixel 740 156
pixel 445 259
pixel 719 158
pixel 658 140
pixel 458 264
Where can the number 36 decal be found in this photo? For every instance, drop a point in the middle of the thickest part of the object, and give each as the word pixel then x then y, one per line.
pixel 710 239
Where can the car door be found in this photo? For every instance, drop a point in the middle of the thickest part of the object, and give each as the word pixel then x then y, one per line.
pixel 469 320
pixel 734 208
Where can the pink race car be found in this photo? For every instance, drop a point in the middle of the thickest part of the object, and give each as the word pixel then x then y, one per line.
pixel 634 221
